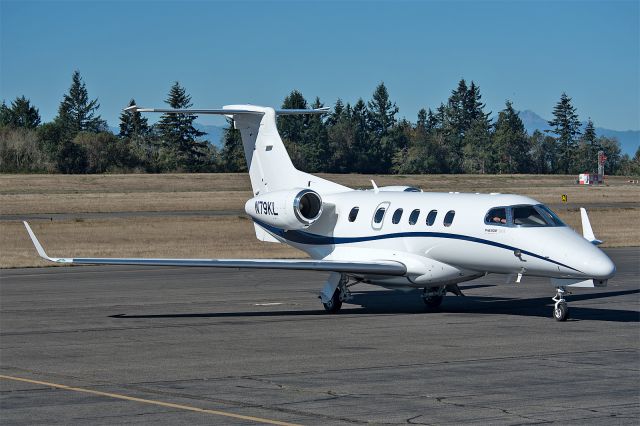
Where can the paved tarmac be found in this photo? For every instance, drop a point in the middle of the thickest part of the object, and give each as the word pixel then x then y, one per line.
pixel 162 346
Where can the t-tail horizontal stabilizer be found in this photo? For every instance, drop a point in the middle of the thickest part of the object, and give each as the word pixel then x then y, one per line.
pixel 587 232
pixel 136 108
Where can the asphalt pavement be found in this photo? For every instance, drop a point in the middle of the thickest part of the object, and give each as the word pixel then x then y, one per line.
pixel 136 345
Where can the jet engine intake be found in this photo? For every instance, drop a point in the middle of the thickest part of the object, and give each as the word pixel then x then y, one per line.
pixel 289 210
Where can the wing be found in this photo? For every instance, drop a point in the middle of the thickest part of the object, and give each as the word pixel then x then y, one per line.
pixel 381 267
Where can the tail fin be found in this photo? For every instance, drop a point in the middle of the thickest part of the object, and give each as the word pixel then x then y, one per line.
pixel 269 164
pixel 270 167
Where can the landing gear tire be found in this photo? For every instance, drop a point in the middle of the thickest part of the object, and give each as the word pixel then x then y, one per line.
pixel 561 312
pixel 335 303
pixel 560 308
pixel 433 301
pixel 433 297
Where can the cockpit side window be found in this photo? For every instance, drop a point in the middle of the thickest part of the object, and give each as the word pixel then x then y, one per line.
pixel 549 215
pixel 496 216
pixel 527 216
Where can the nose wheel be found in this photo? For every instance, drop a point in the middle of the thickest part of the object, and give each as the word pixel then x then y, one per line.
pixel 560 309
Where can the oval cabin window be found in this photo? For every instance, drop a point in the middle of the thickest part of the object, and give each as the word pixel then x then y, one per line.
pixel 448 218
pixel 413 217
pixel 397 215
pixel 379 215
pixel 431 217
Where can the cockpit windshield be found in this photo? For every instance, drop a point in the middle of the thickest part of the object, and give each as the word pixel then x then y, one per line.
pixel 522 216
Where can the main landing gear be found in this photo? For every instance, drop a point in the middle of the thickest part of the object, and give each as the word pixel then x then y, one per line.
pixel 433 296
pixel 340 294
pixel 560 309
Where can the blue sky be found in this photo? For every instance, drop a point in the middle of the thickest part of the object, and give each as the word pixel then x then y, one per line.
pixel 237 52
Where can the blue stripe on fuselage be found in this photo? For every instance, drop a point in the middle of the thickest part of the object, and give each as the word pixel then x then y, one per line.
pixel 302 237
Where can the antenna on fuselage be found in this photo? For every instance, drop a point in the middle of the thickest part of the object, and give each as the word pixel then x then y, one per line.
pixel 375 187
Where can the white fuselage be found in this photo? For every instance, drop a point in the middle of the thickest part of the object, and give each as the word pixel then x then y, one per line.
pixel 437 254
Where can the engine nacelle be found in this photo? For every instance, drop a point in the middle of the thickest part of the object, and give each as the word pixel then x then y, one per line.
pixel 290 210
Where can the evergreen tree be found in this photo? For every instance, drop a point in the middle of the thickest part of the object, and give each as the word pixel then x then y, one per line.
pixel 232 156
pixel 133 124
pixel 293 127
pixel 337 114
pixel 383 136
pixel 456 111
pixel 612 151
pixel 432 121
pixel 478 155
pixel 510 142
pixel 316 141
pixel 341 139
pixel 587 152
pixel 566 127
pixel 77 113
pixel 422 119
pixel 179 137
pixel 21 114
pixel 364 154
pixel 5 114
pixel 382 112
pixel 423 154
pixel 542 150
pixel 473 106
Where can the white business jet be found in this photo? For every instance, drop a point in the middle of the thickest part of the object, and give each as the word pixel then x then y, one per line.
pixel 394 237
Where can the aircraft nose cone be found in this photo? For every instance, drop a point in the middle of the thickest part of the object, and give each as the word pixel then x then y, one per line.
pixel 602 268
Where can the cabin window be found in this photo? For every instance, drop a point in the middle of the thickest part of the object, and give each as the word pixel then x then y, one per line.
pixel 379 215
pixel 431 217
pixel 448 218
pixel 413 217
pixel 353 214
pixel 527 216
pixel 397 215
pixel 497 216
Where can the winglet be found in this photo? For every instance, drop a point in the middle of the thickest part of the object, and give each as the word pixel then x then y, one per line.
pixel 587 232
pixel 132 108
pixel 36 243
pixel 40 250
pixel 375 187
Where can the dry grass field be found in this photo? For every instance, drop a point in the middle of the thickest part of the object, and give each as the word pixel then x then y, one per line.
pixel 614 210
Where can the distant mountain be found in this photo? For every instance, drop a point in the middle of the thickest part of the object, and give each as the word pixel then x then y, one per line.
pixel 629 139
pixel 214 133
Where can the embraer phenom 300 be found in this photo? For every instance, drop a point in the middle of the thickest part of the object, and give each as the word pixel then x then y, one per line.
pixel 393 237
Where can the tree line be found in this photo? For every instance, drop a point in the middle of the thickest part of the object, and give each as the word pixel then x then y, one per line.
pixel 458 136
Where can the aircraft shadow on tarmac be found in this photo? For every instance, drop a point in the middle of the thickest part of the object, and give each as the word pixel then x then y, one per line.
pixel 394 302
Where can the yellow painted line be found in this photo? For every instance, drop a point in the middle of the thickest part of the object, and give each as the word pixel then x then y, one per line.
pixel 150 401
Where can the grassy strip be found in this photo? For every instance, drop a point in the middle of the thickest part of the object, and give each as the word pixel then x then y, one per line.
pixel 193 237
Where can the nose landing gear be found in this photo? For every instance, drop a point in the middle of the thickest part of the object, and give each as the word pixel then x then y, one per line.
pixel 560 309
